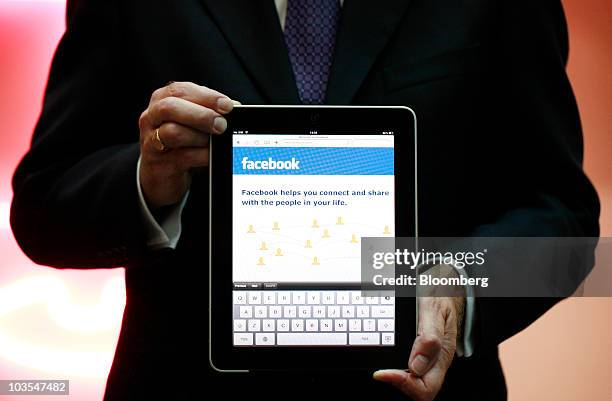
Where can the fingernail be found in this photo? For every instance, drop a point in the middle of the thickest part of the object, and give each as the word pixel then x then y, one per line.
pixel 419 365
pixel 219 125
pixel 224 105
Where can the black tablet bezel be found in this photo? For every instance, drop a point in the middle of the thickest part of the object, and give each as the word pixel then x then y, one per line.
pixel 327 120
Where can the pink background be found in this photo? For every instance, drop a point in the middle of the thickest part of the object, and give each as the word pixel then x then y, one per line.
pixel 64 324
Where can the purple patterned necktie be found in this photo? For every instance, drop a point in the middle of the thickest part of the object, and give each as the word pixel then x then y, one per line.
pixel 310 35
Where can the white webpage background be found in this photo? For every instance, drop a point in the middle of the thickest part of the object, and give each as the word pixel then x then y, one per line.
pixel 338 255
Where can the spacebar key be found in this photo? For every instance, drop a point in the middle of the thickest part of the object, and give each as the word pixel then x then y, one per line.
pixel 311 338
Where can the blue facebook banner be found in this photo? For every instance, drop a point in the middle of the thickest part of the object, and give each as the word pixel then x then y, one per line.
pixel 313 161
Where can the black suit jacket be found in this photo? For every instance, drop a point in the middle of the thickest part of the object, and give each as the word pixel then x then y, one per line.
pixel 500 149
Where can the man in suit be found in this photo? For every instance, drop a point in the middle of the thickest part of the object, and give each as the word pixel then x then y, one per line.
pixel 500 148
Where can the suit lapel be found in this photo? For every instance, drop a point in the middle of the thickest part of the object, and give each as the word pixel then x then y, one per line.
pixel 252 29
pixel 365 28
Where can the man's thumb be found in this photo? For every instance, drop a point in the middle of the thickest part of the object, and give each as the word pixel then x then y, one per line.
pixel 424 353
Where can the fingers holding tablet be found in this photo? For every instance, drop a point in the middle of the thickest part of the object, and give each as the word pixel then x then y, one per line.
pixel 175 131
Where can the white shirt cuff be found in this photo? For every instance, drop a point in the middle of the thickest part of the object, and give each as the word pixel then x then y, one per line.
pixel 164 234
pixel 466 346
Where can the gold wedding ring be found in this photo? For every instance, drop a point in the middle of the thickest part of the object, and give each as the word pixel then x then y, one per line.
pixel 157 142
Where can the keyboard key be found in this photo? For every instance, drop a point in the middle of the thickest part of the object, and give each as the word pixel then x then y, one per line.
pixel 314 297
pixel 264 339
pixel 275 311
pixel 261 312
pixel 312 325
pixel 387 300
pixel 369 325
pixel 240 297
pixel 356 298
pixel 311 338
pixel 364 338
pixel 348 311
pixel 340 325
pixel 388 338
pixel 282 325
pixel 383 311
pixel 333 311
pixel 386 325
pixel 327 325
pixel 254 297
pixel 243 338
pixel 284 298
pixel 355 325
pixel 328 298
pixel 297 325
pixel 304 311
pixel 363 311
pixel 299 297
pixel 268 324
pixel 372 300
pixel 246 311
pixel 239 325
pixel 318 311
pixel 269 297
pixel 343 297
pixel 254 325
pixel 289 311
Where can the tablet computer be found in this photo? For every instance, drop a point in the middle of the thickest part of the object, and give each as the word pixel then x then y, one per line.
pixel 293 190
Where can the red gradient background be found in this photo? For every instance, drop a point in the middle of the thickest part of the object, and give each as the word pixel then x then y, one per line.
pixel 69 329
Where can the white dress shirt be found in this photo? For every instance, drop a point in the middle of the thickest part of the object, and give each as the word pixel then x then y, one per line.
pixel 166 233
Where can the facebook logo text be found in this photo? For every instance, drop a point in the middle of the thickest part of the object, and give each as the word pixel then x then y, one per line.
pixel 270 164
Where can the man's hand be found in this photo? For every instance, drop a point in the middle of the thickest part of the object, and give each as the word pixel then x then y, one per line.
pixel 174 138
pixel 433 350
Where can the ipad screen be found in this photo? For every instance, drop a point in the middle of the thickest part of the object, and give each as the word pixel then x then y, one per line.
pixel 301 205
